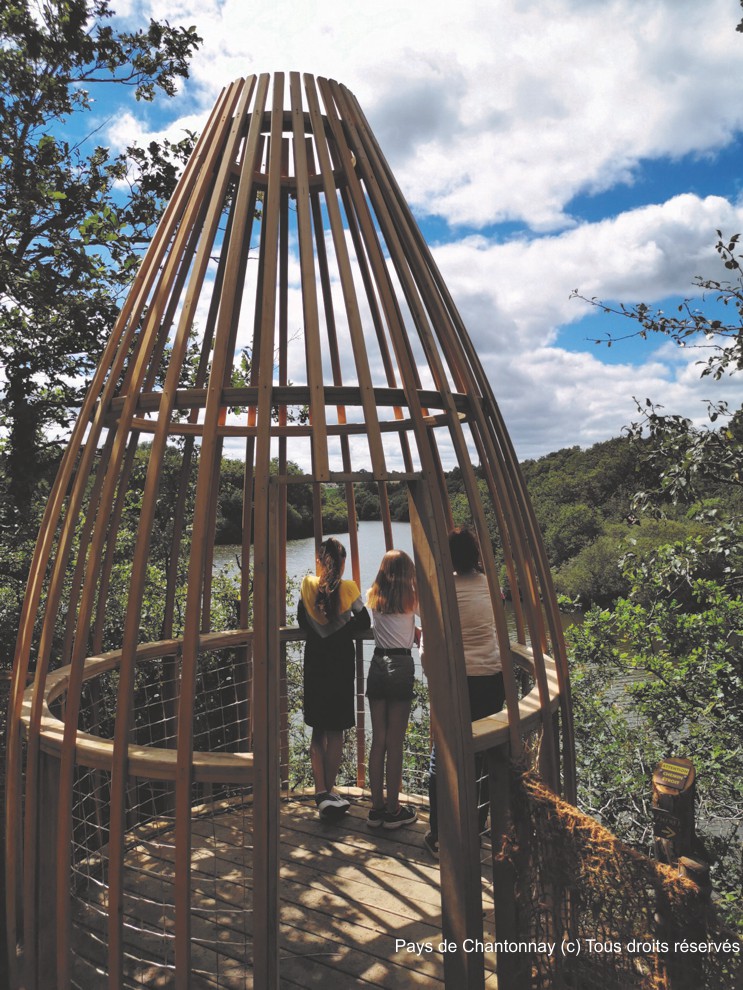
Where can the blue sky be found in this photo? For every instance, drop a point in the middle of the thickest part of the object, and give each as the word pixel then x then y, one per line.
pixel 717 173
pixel 544 147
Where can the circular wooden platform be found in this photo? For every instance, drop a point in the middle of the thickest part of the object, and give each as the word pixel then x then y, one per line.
pixel 347 895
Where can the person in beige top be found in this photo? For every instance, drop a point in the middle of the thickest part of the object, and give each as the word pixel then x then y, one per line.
pixel 482 662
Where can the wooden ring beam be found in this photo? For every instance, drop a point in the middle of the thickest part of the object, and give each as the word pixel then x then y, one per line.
pixel 159 763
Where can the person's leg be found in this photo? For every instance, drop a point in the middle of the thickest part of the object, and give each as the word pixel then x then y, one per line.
pixel 326 752
pixel 317 760
pixel 378 712
pixel 398 713
pixel 487 695
pixel 333 756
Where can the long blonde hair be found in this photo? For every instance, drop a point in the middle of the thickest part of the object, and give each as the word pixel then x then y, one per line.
pixel 394 591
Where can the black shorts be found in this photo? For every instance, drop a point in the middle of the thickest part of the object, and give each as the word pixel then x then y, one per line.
pixel 390 676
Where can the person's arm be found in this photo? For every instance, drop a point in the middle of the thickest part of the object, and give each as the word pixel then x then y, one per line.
pixel 421 651
pixel 302 616
pixel 360 618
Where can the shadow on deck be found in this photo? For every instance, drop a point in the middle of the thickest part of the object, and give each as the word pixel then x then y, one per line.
pixel 347 894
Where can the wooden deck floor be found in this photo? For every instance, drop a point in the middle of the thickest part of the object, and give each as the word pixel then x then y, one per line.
pixel 347 894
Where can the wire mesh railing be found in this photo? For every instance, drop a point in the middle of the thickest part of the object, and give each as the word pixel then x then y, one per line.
pixel 637 925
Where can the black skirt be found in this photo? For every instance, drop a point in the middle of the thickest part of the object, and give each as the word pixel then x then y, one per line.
pixel 329 682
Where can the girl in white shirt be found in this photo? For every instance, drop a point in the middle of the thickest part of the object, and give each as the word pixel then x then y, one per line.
pixel 393 602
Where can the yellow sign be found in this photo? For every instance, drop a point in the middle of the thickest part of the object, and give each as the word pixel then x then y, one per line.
pixel 674 772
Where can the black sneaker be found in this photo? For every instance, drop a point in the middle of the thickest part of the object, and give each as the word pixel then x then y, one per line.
pixel 403 816
pixel 376 817
pixel 431 844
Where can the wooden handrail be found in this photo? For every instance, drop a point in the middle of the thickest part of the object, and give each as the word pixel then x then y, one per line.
pixel 159 763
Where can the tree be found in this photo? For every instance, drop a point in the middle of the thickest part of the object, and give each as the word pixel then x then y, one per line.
pixel 597 576
pixel 668 651
pixel 658 675
pixel 692 463
pixel 572 528
pixel 690 460
pixel 69 238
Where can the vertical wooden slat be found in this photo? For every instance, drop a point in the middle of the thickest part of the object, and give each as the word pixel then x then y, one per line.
pixel 245 656
pixel 47 856
pixel 249 487
pixel 106 556
pixel 511 546
pixel 349 293
pixel 210 512
pixel 204 484
pixel 327 296
pixel 513 967
pixel 267 655
pixel 265 650
pixel 282 462
pixel 313 350
pixel 461 901
pixel 84 542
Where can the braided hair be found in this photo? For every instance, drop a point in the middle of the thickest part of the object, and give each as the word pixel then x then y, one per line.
pixel 331 557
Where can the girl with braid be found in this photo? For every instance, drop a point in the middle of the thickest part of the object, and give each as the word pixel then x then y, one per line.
pixel 332 614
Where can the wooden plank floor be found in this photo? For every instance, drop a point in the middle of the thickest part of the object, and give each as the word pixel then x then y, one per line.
pixel 347 894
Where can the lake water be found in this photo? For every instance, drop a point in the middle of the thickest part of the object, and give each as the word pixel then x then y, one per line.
pixel 300 558
pixel 300 554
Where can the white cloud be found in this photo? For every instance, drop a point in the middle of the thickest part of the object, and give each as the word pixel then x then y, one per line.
pixel 514 299
pixel 128 129
pixel 506 111
pixel 523 286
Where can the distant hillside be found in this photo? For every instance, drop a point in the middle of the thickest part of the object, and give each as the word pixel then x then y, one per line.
pixel 576 492
pixel 582 500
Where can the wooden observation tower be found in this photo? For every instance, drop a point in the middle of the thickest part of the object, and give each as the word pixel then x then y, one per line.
pixel 289 312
